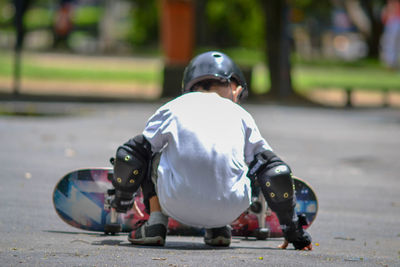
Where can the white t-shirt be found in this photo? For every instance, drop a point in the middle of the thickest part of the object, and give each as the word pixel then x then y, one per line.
pixel 207 142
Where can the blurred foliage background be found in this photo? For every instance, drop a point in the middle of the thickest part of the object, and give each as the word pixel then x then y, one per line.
pixel 334 43
pixel 222 24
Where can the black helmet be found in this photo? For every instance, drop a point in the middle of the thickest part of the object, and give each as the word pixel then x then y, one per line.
pixel 212 65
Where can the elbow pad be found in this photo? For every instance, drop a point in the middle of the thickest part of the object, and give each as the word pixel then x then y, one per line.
pixel 274 178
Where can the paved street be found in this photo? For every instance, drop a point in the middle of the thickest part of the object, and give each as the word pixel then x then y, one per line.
pixel 351 157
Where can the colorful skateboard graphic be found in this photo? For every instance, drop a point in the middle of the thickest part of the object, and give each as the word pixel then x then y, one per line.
pixel 81 200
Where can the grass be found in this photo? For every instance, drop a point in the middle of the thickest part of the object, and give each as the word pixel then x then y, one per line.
pixel 306 75
pixel 80 74
pixel 365 74
pixel 366 78
pixel 33 68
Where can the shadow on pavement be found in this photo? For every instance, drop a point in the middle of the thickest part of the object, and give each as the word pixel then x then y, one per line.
pixel 81 233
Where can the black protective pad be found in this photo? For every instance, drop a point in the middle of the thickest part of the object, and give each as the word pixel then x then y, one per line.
pixel 129 169
pixel 131 166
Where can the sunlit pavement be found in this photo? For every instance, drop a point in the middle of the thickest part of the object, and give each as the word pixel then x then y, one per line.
pixel 350 157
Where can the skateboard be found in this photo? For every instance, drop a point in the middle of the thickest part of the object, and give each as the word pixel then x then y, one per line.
pixel 82 198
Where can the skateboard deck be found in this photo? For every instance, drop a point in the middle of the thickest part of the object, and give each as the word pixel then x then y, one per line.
pixel 80 198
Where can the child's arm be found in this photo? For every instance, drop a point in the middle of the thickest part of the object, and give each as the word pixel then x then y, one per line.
pixel 274 177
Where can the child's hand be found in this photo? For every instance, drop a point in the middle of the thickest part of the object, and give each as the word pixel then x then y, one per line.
pixel 136 210
pixel 285 244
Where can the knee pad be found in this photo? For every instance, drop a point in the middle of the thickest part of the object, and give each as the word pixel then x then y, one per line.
pixel 276 184
pixel 131 164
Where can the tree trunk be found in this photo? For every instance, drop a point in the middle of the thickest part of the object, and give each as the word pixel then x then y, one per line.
pixel 21 7
pixel 376 30
pixel 278 48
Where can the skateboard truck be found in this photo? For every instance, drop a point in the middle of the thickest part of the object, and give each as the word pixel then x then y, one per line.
pixel 113 227
pixel 259 207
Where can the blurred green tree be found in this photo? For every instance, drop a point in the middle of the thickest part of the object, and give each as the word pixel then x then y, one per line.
pixel 6 15
pixel 242 26
pixel 235 23
pixel 145 23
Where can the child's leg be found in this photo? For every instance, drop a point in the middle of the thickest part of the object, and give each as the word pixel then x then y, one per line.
pixel 149 186
pixel 156 215
pixel 154 204
pixel 153 232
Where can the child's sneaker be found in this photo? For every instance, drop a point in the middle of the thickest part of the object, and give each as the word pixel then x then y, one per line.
pixel 219 237
pixel 151 235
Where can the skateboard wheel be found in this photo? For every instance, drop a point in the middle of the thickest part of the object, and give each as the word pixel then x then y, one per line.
pixel 111 192
pixel 262 233
pixel 256 207
pixel 112 229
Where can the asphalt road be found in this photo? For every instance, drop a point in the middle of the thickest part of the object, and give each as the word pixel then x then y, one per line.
pixel 351 157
